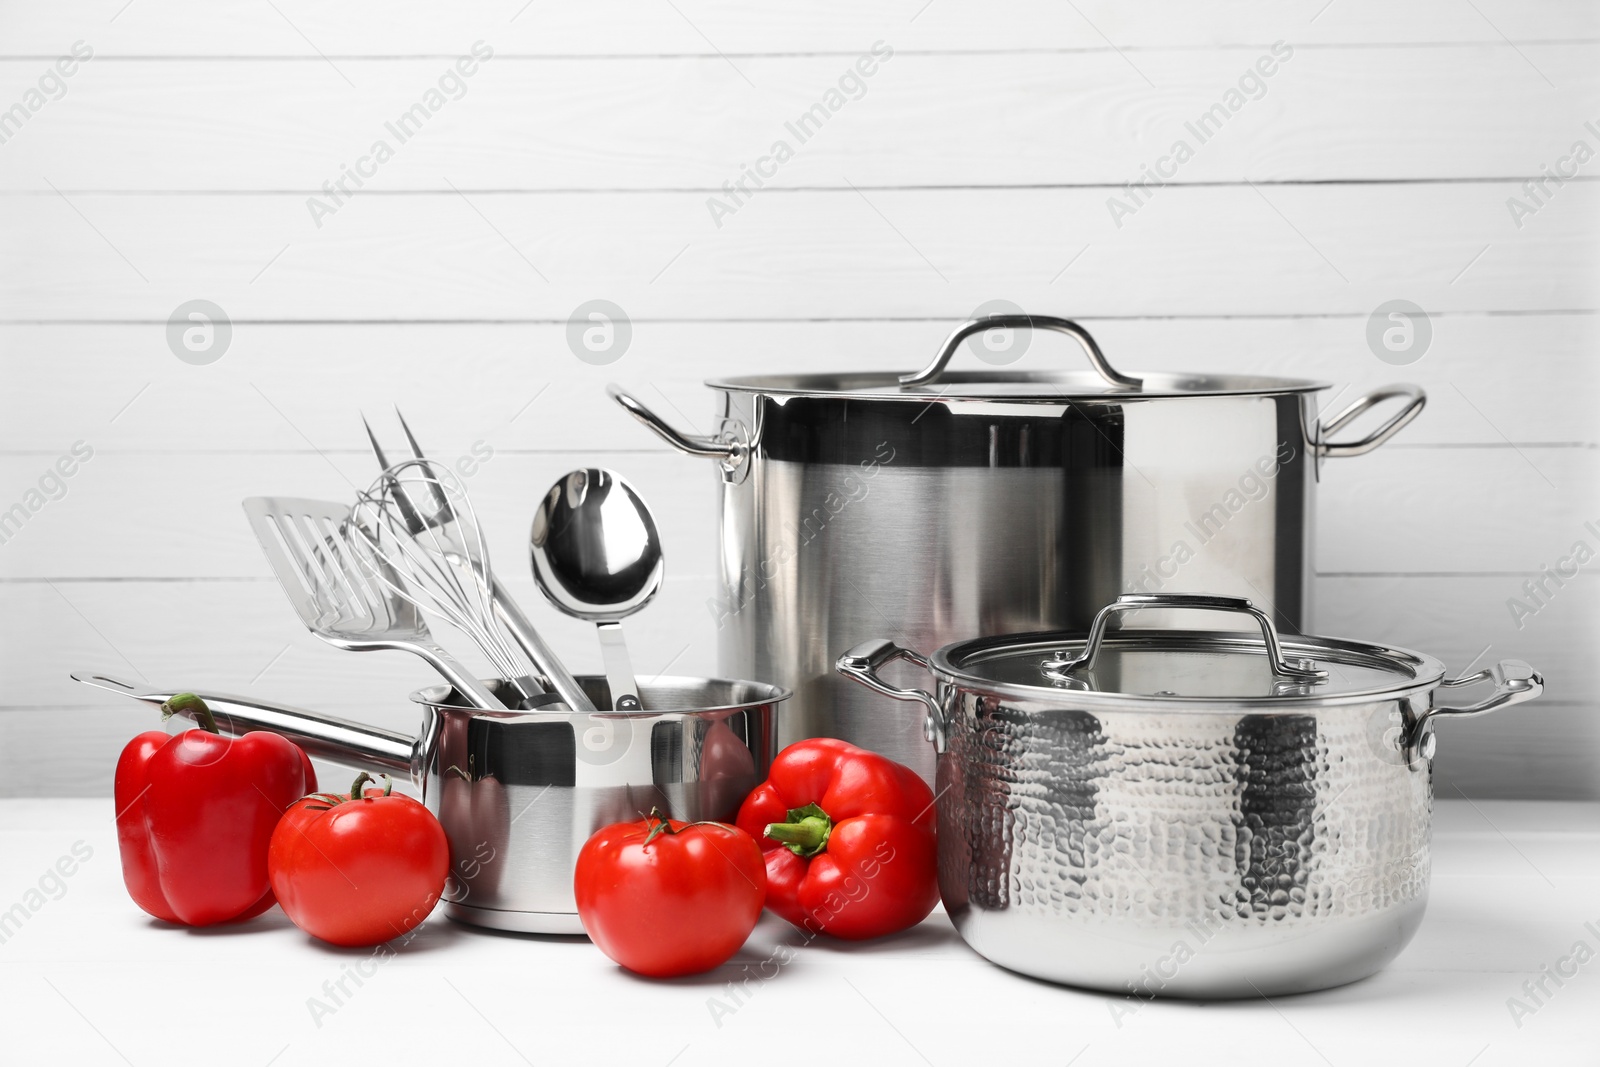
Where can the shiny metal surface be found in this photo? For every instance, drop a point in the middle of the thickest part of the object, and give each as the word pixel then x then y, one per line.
pixel 953 518
pixel 994 502
pixel 597 555
pixel 1188 851
pixel 439 565
pixel 1514 681
pixel 688 444
pixel 1415 399
pixel 321 570
pixel 322 736
pixel 1097 359
pixel 1061 668
pixel 433 512
pixel 519 793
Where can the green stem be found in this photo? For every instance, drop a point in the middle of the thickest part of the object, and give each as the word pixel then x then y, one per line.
pixel 192 705
pixel 806 832
pixel 356 788
pixel 664 825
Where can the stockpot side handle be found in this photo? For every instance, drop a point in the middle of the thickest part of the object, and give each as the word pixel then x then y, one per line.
pixel 861 664
pixel 1097 359
pixel 1059 667
pixel 326 737
pixel 728 451
pixel 1415 399
pixel 1514 682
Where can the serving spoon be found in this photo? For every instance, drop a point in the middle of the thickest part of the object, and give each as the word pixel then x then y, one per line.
pixel 597 555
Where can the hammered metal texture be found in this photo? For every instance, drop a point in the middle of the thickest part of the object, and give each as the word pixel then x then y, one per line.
pixel 1282 851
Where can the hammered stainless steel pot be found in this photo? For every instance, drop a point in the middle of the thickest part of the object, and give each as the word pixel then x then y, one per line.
pixel 939 505
pixel 519 793
pixel 1185 813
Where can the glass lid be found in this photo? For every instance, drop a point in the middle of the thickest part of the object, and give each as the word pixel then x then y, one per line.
pixel 1234 666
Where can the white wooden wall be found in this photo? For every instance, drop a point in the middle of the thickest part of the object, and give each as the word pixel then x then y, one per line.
pixel 577 165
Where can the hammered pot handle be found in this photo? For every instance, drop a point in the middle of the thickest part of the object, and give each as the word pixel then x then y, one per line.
pixel 861 665
pixel 1514 681
pixel 1097 359
pixel 1415 400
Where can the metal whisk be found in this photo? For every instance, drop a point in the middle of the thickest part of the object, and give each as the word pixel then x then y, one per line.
pixel 441 568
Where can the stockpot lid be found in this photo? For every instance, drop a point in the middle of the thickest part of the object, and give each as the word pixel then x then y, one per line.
pixel 1103 381
pixel 1142 667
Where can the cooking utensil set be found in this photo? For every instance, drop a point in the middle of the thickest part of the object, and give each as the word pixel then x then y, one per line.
pixel 523 768
pixel 1212 804
pixel 411 548
pixel 343 593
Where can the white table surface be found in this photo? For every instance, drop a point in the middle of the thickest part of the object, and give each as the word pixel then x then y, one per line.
pixel 89 979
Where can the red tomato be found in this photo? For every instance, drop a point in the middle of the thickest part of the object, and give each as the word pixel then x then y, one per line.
pixel 666 898
pixel 358 872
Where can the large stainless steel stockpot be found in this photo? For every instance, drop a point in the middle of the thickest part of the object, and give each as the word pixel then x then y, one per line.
pixel 519 793
pixel 939 505
pixel 1185 813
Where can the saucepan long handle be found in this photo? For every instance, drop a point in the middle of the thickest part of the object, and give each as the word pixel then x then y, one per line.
pixel 322 736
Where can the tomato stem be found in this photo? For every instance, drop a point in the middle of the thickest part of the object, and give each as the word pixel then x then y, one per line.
pixel 333 800
pixel 664 825
pixel 806 832
pixel 183 703
pixel 356 788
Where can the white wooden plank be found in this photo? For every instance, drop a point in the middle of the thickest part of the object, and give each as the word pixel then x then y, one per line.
pixel 919 120
pixel 178 515
pixel 1457 510
pixel 244 635
pixel 655 97
pixel 1207 250
pixel 320 376
pixel 1544 749
pixel 226 634
pixel 229 636
pixel 608 27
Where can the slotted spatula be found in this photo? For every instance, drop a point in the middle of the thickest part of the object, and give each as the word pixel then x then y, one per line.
pixel 317 565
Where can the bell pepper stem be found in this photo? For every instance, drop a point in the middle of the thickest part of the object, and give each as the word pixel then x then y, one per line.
pixel 190 704
pixel 806 832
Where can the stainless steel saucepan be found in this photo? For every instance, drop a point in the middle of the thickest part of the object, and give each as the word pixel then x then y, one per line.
pixel 948 503
pixel 1180 812
pixel 519 793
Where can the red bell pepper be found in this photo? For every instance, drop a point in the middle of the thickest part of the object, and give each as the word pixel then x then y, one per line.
pixel 848 838
pixel 195 812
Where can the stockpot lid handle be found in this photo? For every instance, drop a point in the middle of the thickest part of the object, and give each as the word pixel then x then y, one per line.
pixel 1097 359
pixel 1059 667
